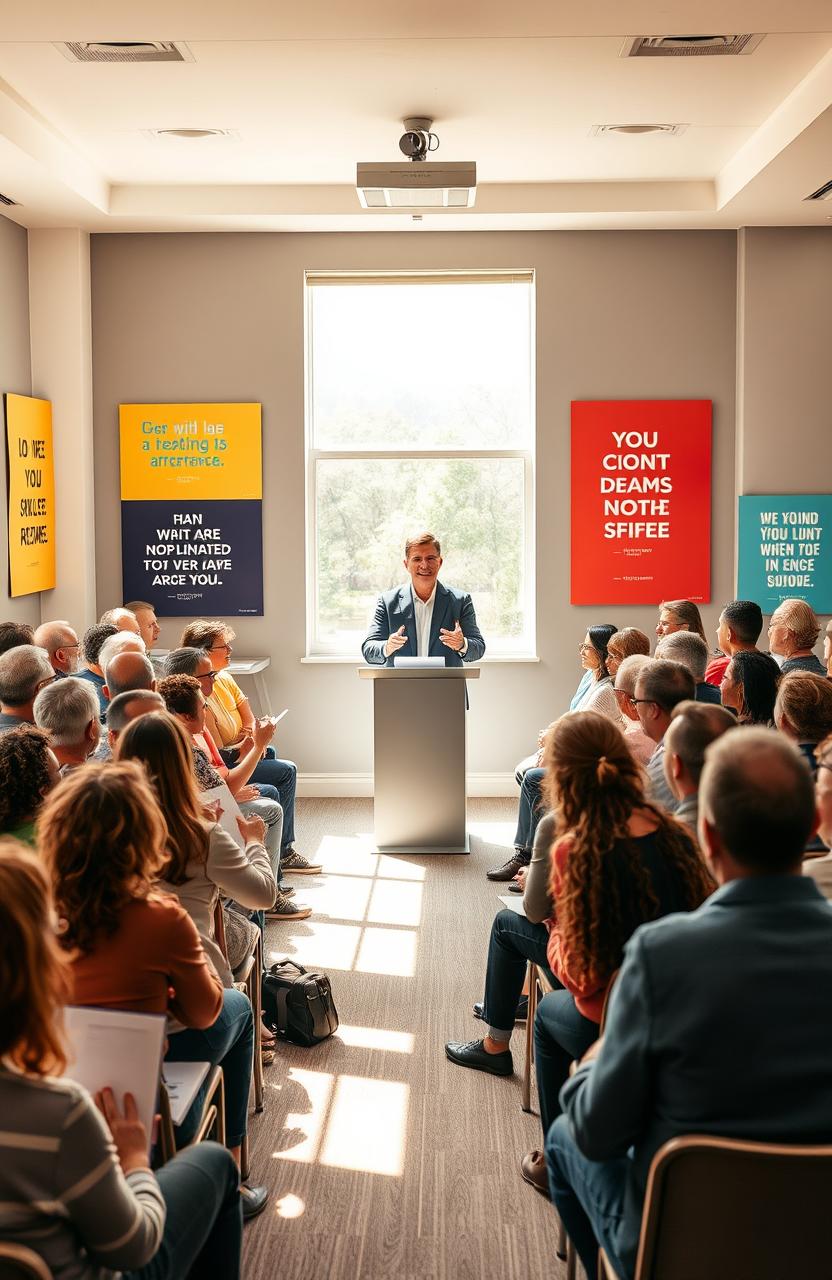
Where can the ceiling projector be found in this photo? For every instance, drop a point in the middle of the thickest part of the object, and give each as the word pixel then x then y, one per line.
pixel 417 183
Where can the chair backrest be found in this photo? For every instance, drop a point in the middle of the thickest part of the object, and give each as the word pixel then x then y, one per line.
pixel 731 1210
pixel 19 1263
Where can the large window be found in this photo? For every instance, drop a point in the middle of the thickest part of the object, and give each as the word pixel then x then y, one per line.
pixel 420 415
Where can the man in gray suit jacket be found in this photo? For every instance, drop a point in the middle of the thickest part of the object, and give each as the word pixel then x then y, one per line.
pixel 721 1020
pixel 423 618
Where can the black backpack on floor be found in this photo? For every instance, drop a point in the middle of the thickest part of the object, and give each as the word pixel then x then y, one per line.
pixel 298 1005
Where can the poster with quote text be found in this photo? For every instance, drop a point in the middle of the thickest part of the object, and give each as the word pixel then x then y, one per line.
pixel 30 472
pixel 191 509
pixel 785 549
pixel 641 501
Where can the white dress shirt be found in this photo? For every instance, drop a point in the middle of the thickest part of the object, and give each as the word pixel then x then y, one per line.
pixel 423 617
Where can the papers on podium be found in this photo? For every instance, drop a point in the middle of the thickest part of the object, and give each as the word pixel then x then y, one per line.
pixel 418 662
pixel 121 1051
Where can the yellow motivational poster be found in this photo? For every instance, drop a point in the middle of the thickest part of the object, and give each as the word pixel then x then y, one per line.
pixel 31 495
pixel 190 451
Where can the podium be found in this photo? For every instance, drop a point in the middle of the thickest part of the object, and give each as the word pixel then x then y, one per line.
pixel 419 758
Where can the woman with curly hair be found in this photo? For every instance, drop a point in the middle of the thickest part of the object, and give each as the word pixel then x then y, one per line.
pixel 75 1183
pixel 28 771
pixel 105 843
pixel 616 862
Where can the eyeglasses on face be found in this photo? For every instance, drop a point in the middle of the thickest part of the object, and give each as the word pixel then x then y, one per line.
pixel 208 675
pixel 214 647
pixel 652 701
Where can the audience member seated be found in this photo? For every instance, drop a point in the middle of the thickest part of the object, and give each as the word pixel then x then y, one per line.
pixel 692 1043
pixel 616 862
pixel 24 671
pixel 145 615
pixel 121 642
pixel 204 861
pixel 68 711
pixel 660 686
pixel 127 670
pixel 91 646
pixel 626 643
pixel 626 677
pixel 820 868
pixel 14 633
pixel 690 649
pixel 131 946
pixel 598 695
pixel 28 770
pixel 123 709
pixel 693 727
pixel 679 615
pixel 122 618
pixel 185 700
pixel 740 624
pixel 61 642
pixel 803 711
pixel 234 721
pixel 75 1184
pixel 749 687
pixel 792 635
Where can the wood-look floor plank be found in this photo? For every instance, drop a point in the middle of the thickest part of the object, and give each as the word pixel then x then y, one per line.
pixel 451 1204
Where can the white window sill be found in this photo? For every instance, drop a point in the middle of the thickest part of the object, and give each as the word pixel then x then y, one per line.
pixel 313 658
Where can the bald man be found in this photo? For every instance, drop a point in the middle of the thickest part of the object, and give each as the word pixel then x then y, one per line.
pixel 62 644
pixel 128 671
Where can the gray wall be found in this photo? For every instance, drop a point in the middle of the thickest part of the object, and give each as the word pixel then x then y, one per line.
pixel 15 376
pixel 219 317
pixel 785 360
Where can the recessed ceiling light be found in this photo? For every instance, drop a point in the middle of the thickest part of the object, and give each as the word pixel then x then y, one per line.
pixel 636 130
pixel 189 135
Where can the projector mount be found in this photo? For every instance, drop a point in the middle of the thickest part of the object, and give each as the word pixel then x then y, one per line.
pixel 417 140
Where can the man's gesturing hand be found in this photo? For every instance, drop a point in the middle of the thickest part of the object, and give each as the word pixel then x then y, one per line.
pixel 397 641
pixel 453 639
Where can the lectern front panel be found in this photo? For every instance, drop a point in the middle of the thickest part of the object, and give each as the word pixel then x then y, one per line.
pixel 419 800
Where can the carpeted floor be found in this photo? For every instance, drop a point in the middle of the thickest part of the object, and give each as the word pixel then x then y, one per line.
pixel 383 1158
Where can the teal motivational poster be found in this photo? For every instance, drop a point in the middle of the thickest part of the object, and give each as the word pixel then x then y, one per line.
pixel 785 550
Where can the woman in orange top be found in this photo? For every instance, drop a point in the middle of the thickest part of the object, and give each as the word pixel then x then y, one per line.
pixel 104 841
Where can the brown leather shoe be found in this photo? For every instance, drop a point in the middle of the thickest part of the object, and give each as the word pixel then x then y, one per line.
pixel 520 858
pixel 533 1170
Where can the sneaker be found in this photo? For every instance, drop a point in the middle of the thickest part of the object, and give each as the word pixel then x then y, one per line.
pixel 285 909
pixel 297 865
pixel 288 890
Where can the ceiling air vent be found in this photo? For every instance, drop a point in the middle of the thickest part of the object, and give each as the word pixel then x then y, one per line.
pixel 125 51
pixel 688 46
pixel 7 200
pixel 637 130
pixel 822 193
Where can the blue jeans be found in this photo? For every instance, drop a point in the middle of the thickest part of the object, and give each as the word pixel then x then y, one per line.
pixel 513 941
pixel 283 775
pixel 561 1034
pixel 589 1196
pixel 203 1233
pixel 228 1043
pixel 532 809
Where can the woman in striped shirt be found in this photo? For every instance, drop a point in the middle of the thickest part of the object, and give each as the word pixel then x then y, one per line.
pixel 75 1184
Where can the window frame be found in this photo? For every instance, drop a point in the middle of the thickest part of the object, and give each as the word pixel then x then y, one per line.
pixel 525 647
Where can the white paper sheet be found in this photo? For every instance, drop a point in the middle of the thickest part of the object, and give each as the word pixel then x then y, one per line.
pixel 122 1051
pixel 230 810
pixel 182 1080
pixel 418 662
pixel 514 902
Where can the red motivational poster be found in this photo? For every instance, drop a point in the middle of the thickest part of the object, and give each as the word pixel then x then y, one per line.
pixel 641 501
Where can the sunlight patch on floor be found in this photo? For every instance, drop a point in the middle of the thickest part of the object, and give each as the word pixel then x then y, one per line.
pixel 391 951
pixel 497 833
pixel 367 1126
pixel 396 902
pixel 376 1038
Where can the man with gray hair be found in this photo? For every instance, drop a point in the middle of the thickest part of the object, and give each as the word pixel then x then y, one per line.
pixel 659 686
pixel 690 649
pixel 127 670
pixel 188 661
pixel 24 671
pixel 124 708
pixel 121 642
pixel 62 644
pixel 122 619
pixel 719 1020
pixel 68 711
pixel 693 727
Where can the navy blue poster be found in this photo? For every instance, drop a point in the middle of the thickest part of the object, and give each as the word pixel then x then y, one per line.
pixel 194 558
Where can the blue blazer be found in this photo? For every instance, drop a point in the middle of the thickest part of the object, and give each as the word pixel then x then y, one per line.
pixel 395 609
pixel 720 1023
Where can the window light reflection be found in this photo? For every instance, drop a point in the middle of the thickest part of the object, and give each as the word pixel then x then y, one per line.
pixel 309 1123
pixel 391 951
pixel 317 944
pixel 367 1126
pixel 396 902
pixel 376 1038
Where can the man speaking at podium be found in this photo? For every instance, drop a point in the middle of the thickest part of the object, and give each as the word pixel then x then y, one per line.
pixel 424 619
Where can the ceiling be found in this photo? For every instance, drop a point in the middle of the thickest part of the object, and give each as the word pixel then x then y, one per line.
pixel 307 91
